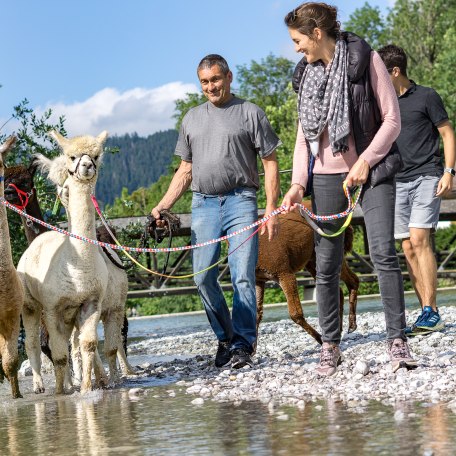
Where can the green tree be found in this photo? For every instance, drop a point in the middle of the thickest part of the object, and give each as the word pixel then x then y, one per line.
pixel 425 30
pixel 265 83
pixel 32 139
pixel 419 26
pixel 368 23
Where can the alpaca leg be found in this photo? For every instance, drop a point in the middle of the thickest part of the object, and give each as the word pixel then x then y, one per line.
pixel 125 367
pixel 290 287
pixel 113 341
pixel 260 301
pixel 101 380
pixel 31 319
pixel 89 316
pixel 351 280
pixel 2 374
pixel 10 361
pixel 125 333
pixel 58 343
pixel 341 309
pixel 76 356
pixel 44 340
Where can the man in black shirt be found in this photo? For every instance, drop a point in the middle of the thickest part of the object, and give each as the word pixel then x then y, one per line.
pixel 421 182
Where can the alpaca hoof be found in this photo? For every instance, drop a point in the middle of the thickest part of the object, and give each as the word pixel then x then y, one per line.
pixel 39 390
pixel 101 382
pixel 352 326
pixel 17 395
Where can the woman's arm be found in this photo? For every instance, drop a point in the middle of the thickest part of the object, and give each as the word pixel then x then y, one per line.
pixel 391 122
pixel 389 110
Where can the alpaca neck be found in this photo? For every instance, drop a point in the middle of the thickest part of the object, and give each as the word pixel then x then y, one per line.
pixel 32 230
pixel 6 259
pixel 82 214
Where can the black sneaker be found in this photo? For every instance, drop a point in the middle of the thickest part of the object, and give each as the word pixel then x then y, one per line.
pixel 240 358
pixel 223 356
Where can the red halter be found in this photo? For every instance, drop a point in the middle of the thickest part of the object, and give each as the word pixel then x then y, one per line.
pixel 23 196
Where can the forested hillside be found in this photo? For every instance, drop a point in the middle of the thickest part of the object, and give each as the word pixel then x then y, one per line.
pixel 139 162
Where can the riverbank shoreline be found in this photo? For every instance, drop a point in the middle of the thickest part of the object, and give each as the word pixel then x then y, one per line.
pixel 304 303
pixel 287 356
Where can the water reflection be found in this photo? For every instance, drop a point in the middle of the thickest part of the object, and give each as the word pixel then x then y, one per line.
pixel 162 420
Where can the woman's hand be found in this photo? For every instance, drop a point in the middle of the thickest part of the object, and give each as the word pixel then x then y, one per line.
pixel 358 174
pixel 293 197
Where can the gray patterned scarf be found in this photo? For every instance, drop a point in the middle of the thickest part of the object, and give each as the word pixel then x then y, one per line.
pixel 324 101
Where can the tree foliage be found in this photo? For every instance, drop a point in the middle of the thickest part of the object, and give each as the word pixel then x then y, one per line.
pixel 368 23
pixel 137 163
pixel 426 30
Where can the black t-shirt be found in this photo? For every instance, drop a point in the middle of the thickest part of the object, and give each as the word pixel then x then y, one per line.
pixel 422 111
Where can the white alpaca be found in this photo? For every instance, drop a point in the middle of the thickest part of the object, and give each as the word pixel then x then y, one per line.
pixel 112 312
pixel 11 292
pixel 65 278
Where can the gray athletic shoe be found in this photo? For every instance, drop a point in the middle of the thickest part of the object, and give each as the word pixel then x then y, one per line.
pixel 330 358
pixel 400 356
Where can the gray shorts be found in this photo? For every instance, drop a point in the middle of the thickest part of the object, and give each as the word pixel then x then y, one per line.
pixel 416 205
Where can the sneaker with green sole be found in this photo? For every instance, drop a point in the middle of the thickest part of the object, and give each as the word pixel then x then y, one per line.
pixel 429 321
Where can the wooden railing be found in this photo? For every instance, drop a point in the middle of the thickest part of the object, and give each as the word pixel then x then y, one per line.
pixel 144 284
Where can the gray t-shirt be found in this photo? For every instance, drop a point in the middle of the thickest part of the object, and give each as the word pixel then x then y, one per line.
pixel 222 144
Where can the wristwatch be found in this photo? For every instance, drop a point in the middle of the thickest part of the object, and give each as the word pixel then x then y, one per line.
pixel 450 170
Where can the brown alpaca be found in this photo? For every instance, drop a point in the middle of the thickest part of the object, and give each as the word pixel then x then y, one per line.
pixel 11 293
pixel 291 251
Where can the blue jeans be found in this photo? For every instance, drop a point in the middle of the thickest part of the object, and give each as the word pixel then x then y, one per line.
pixel 378 208
pixel 214 216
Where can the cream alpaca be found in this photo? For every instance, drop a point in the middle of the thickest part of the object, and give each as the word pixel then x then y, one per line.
pixel 112 312
pixel 11 292
pixel 63 277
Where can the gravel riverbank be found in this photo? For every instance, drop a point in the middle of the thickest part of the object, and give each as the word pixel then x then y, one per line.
pixel 286 357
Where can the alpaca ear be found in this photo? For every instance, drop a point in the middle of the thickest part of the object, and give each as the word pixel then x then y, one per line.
pixel 58 171
pixel 58 138
pixel 55 168
pixel 8 144
pixel 39 161
pixel 33 166
pixel 102 137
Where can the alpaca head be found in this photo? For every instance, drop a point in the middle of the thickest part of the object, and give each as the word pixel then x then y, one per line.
pixel 19 183
pixel 80 160
pixel 4 149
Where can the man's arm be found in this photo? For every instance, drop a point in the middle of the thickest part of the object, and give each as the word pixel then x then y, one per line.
pixel 449 151
pixel 272 188
pixel 179 184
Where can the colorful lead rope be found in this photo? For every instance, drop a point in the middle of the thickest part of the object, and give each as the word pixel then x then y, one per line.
pixel 141 249
pixel 186 276
pixel 352 201
pixel 348 213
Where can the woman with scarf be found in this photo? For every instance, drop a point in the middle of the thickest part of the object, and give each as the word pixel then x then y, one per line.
pixel 348 121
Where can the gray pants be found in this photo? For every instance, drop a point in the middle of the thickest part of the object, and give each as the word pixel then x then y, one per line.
pixel 378 207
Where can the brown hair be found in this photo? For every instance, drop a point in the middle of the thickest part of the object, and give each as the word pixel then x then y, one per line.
pixel 394 56
pixel 308 16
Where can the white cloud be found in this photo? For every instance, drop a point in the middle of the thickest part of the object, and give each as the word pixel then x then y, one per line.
pixel 140 110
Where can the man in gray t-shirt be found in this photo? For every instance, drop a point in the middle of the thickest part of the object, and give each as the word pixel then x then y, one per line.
pixel 219 142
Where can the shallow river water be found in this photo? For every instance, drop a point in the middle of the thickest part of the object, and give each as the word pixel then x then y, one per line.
pixel 148 416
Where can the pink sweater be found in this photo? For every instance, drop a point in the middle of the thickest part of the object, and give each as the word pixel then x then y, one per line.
pixel 326 162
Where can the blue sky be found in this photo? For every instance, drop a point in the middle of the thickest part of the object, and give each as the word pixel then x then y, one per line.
pixel 120 65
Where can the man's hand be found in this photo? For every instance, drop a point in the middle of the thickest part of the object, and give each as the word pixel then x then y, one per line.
pixel 445 185
pixel 358 174
pixel 155 212
pixel 272 225
pixel 293 197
